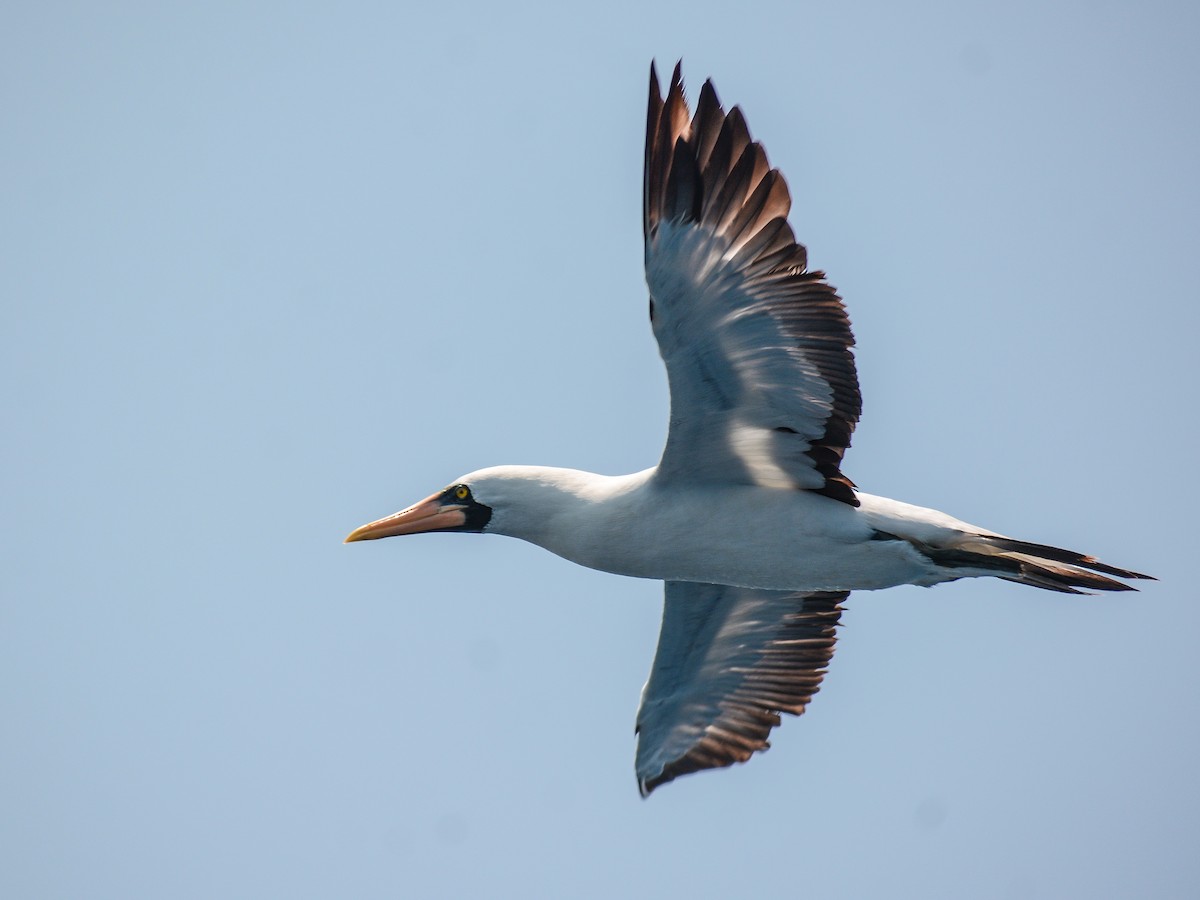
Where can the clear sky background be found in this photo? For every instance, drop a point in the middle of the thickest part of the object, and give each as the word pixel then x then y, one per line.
pixel 269 271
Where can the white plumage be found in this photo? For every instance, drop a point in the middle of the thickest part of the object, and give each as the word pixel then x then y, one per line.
pixel 748 517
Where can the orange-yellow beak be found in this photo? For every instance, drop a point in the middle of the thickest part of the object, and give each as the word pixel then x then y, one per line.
pixel 431 514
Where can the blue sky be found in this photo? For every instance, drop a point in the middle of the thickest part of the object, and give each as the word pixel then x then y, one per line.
pixel 272 271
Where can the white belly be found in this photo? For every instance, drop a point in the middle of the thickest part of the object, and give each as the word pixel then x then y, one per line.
pixel 746 536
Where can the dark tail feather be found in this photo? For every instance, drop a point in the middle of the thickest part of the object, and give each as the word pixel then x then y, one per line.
pixel 1038 565
pixel 1070 557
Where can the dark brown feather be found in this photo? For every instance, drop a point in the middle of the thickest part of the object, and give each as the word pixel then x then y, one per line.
pixel 706 124
pixel 649 191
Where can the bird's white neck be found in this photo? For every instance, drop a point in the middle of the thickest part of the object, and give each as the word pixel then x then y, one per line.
pixel 563 510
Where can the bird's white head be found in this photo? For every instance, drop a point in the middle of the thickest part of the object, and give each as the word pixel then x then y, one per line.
pixel 519 501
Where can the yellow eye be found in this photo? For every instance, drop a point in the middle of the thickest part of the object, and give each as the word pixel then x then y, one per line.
pixel 462 492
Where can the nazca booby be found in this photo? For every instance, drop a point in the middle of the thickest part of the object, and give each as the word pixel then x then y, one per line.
pixel 748 517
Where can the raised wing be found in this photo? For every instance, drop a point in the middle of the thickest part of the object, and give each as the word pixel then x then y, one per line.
pixel 757 348
pixel 729 660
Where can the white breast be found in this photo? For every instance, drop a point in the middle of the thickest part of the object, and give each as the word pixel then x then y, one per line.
pixel 740 535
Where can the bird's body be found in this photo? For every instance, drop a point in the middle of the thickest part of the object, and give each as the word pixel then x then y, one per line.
pixel 747 518
pixel 735 534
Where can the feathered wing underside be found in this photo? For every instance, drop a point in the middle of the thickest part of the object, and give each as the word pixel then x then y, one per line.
pixel 763 384
pixel 729 661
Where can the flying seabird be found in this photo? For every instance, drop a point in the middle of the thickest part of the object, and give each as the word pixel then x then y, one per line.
pixel 748 518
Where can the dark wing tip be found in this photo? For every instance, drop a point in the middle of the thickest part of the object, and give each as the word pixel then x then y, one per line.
pixel 714 753
pixel 666 124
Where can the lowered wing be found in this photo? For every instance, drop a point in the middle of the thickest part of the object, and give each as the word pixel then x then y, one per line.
pixel 729 661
